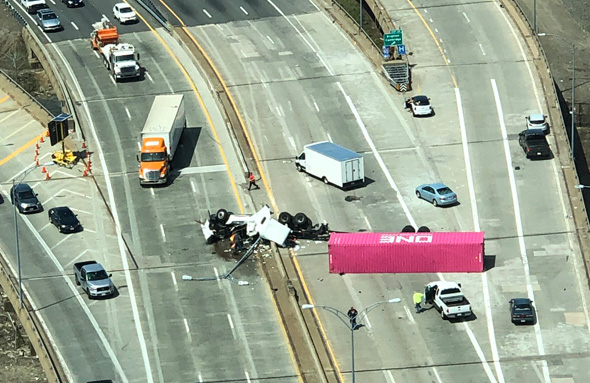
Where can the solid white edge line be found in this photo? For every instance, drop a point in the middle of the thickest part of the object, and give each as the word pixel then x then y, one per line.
pixel 476 226
pixel 519 230
pixel 122 251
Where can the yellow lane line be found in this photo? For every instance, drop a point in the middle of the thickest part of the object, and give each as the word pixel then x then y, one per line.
pixel 268 191
pixel 202 103
pixel 4 99
pixel 442 52
pixel 17 151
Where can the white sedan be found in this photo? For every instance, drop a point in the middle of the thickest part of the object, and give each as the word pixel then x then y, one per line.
pixel 537 121
pixel 124 13
pixel 420 106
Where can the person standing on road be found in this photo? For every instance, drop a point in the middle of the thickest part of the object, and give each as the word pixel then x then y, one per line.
pixel 352 314
pixel 252 181
pixel 418 297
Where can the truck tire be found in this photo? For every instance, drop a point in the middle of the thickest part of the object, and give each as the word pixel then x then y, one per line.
pixel 423 229
pixel 442 314
pixel 325 180
pixel 77 281
pixel 88 293
pixel 301 221
pixel 285 218
pixel 408 229
pixel 222 216
pixel 299 168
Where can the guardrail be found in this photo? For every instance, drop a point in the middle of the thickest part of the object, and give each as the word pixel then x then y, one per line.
pixel 15 13
pixel 155 12
pixel 32 325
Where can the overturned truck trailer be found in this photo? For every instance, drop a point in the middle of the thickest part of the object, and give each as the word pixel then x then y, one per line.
pixel 406 252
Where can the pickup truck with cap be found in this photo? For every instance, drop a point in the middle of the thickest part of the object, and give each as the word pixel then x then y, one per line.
pixel 93 279
pixel 447 297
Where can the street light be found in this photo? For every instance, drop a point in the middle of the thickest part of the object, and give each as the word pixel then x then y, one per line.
pixel 352 322
pixel 582 187
pixel 14 187
pixel 573 88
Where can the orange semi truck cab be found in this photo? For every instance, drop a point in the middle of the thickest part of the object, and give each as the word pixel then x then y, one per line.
pixel 159 139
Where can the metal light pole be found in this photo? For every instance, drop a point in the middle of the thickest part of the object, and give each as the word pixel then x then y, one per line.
pixel 582 187
pixel 535 17
pixel 361 18
pixel 12 198
pixel 573 128
pixel 351 323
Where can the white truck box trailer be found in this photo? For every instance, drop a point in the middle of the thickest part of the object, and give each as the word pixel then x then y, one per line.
pixel 333 164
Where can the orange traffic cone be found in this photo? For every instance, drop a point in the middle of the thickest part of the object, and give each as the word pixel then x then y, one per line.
pixel 41 139
pixel 43 169
pixel 36 152
pixel 47 133
pixel 89 163
pixel 85 172
pixel 83 145
pixel 47 177
pixel 36 162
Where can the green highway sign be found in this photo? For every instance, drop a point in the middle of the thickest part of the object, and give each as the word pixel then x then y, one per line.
pixel 393 38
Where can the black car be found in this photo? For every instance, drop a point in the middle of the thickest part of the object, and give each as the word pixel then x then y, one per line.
pixel 534 143
pixel 73 3
pixel 522 311
pixel 25 199
pixel 64 219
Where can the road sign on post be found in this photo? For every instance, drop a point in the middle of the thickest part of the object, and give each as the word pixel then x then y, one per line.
pixel 401 49
pixel 393 38
pixel 58 128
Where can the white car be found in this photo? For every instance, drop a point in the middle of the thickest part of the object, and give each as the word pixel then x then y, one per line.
pixel 124 13
pixel 537 121
pixel 419 105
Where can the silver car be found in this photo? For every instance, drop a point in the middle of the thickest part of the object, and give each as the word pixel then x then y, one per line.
pixel 537 121
pixel 47 20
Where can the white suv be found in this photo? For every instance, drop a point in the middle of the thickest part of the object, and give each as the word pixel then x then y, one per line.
pixel 124 13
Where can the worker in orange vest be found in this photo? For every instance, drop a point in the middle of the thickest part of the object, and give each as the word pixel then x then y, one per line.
pixel 252 181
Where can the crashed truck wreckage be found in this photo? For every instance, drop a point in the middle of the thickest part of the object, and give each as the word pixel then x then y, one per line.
pixel 283 232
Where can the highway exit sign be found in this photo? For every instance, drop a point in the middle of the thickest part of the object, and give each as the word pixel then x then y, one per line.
pixel 393 38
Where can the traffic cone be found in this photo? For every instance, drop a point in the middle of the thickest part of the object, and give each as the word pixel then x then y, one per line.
pixel 41 139
pixel 47 133
pixel 47 177
pixel 37 145
pixel 36 162
pixel 36 152
pixel 84 145
pixel 89 163
pixel 43 169
pixel 85 174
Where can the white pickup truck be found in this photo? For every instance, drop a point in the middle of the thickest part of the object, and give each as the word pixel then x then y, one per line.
pixel 448 299
pixel 33 6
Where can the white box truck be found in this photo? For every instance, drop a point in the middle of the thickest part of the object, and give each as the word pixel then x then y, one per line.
pixel 332 163
pixel 159 138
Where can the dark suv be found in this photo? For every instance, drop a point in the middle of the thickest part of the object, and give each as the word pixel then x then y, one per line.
pixel 534 144
pixel 25 199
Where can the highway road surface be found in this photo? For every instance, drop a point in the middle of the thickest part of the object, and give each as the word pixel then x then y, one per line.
pixel 297 79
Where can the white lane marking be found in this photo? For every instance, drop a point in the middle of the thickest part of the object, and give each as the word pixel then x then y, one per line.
pixel 479 352
pixel 128 114
pixel 269 39
pixel 466 18
pixel 389 376
pixel 122 251
pixel 302 36
pixel 279 112
pixel 90 231
pixel 76 294
pixel 377 156
pixel 200 378
pixel 231 323
pixel 317 108
pixel 409 314
pixel 163 233
pixel 75 26
pixel 139 146
pixel 188 330
pixel 149 77
pixel 369 227
pixel 292 142
pixel 329 137
pixel 482 50
pixel 476 226
pixel 436 30
pixel 203 169
pixel 519 230
pixel 65 238
pixel 174 280
pixel 193 187
pixel 247 376
pixel 217 277
pixel 153 193
pixel 246 12
pixel 207 13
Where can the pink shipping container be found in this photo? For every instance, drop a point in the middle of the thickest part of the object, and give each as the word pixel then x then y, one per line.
pixel 357 253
